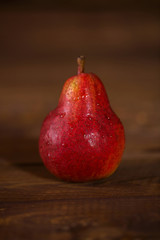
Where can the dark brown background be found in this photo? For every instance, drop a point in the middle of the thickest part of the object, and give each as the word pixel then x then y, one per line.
pixel 39 43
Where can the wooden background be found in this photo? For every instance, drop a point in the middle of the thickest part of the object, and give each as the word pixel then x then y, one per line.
pixel 38 50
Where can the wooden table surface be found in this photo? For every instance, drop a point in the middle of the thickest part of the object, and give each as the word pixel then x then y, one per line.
pixel 38 53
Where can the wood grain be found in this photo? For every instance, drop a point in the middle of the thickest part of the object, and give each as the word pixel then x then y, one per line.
pixel 38 52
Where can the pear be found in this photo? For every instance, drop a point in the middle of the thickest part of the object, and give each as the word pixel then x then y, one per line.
pixel 82 139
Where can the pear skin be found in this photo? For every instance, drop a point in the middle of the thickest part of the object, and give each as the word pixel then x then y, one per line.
pixel 82 139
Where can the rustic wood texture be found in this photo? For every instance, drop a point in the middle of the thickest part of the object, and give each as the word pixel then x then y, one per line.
pixel 38 53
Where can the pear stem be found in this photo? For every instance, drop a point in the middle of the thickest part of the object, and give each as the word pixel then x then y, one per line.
pixel 80 62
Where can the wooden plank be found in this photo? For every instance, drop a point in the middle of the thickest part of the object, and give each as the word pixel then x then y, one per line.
pixel 33 204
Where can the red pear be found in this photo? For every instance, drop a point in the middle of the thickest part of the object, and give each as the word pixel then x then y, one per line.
pixel 82 139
